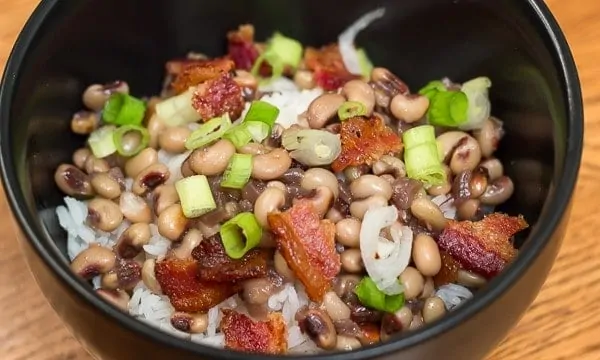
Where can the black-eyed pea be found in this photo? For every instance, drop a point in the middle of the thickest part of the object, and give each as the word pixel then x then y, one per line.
pixel 323 109
pixel 316 177
pixel 149 276
pixel 272 165
pixel 460 149
pixel 212 160
pixel 172 139
pixel 172 223
pixel 84 122
pixel 164 196
pixel 305 79
pixel 335 307
pixel 426 255
pixel 149 178
pixel 494 168
pixel 347 343
pixel 428 288
pixel 141 161
pixel 318 326
pixel 499 191
pixel 190 241
pixel 428 212
pixel 93 261
pixel 80 156
pixel 109 281
pixel 131 242
pixel 270 200
pixel 73 182
pixel 190 323
pixel 94 165
pixel 321 200
pixel 386 86
pixel 409 108
pixel 282 267
pixel 359 208
pixel 361 92
pixel 370 185
pixel 351 260
pixel 104 214
pixel 334 215
pixel 489 136
pixel 95 96
pixel 135 208
pixel 413 282
pixel 347 232
pixel 106 186
pixel 155 127
pixel 470 279
pixel 433 309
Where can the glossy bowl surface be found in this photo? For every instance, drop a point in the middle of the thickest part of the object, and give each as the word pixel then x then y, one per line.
pixel 68 44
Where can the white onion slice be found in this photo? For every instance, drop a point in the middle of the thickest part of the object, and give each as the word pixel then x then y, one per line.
pixel 385 260
pixel 346 40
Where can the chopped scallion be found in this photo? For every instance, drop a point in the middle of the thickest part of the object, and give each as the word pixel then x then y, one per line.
pixel 213 130
pixel 123 109
pixel 131 139
pixel 421 155
pixel 238 171
pixel 101 141
pixel 240 235
pixel 351 109
pixel 289 50
pixel 272 59
pixel 312 147
pixel 262 111
pixel 238 135
pixel 448 109
pixel 195 196
pixel 370 296
pixel 178 110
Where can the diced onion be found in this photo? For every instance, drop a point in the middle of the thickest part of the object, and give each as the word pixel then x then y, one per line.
pixel 385 260
pixel 178 110
pixel 195 196
pixel 102 141
pixel 240 235
pixel 350 55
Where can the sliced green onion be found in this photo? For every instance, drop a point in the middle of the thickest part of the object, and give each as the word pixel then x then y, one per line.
pixel 123 109
pixel 240 235
pixel 262 111
pixel 448 109
pixel 288 49
pixel 366 66
pixel 370 296
pixel 238 171
pixel 131 139
pixel 312 147
pixel 238 135
pixel 479 110
pixel 421 155
pixel 432 88
pixel 101 141
pixel 351 109
pixel 213 130
pixel 195 196
pixel 178 110
pixel 272 59
pixel 258 130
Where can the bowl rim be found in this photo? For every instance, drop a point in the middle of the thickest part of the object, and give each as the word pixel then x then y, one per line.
pixel 559 204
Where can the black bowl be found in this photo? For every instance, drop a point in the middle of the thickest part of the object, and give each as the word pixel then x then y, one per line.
pixel 68 44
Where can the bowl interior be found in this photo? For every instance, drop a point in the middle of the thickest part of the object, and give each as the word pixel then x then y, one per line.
pixel 83 42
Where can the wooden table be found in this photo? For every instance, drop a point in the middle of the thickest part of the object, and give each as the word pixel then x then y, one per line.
pixel 563 323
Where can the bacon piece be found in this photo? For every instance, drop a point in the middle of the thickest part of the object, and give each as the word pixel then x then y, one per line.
pixel 241 47
pixel 262 337
pixel 364 141
pixel 199 71
pixel 217 97
pixel 215 265
pixel 483 246
pixel 449 271
pixel 370 334
pixel 308 246
pixel 179 281
pixel 329 70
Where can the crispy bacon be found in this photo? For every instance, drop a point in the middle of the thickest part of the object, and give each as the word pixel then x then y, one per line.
pixel 484 246
pixel 370 334
pixel 364 141
pixel 329 70
pixel 449 271
pixel 262 337
pixel 307 244
pixel 241 47
pixel 179 281
pixel 199 71
pixel 217 97
pixel 215 265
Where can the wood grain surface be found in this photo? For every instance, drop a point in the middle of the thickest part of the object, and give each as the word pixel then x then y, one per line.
pixel 563 323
